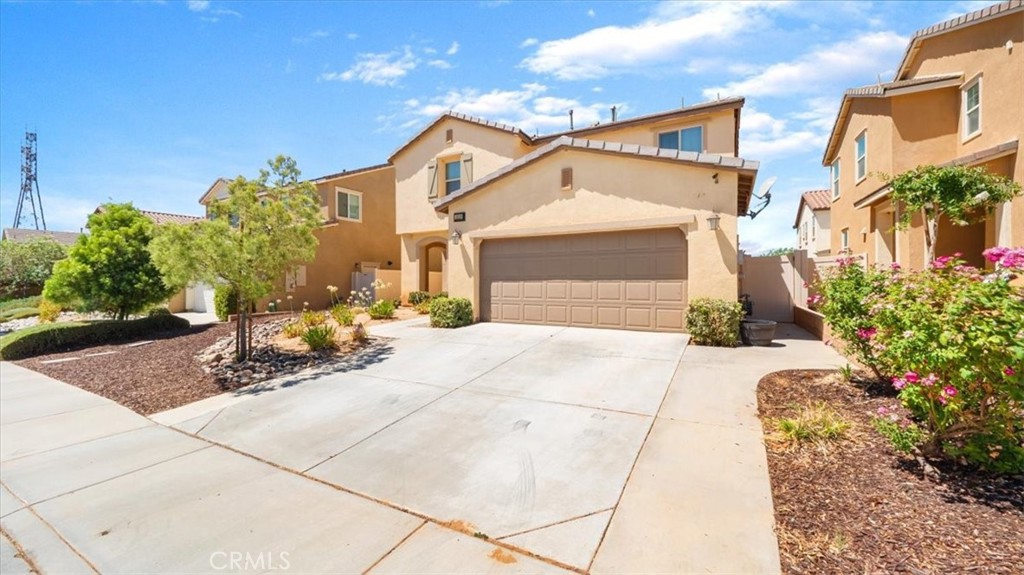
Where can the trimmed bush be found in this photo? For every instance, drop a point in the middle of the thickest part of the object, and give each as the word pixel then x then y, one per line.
pixel 225 301
pixel 55 337
pixel 714 322
pixel 423 308
pixel 418 297
pixel 450 312
pixel 48 311
pixel 382 309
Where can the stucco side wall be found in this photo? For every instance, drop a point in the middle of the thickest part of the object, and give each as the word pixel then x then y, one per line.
pixel 719 132
pixel 924 138
pixel 491 150
pixel 608 192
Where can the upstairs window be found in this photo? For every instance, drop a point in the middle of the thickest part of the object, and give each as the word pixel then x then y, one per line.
pixel 686 140
pixel 452 176
pixel 844 239
pixel 972 108
pixel 835 179
pixel 862 156
pixel 350 205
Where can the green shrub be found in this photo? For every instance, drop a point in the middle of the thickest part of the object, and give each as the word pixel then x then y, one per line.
pixel 48 311
pixel 18 313
pixel 25 266
pixel 225 301
pixel 159 310
pixel 382 309
pixel 55 337
pixel 423 308
pixel 343 314
pixel 319 337
pixel 312 318
pixel 843 292
pixel 904 436
pixel 293 329
pixel 418 297
pixel 714 322
pixel 450 312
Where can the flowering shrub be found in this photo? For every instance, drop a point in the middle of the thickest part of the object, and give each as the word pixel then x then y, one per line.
pixel 951 340
pixel 382 309
pixel 714 322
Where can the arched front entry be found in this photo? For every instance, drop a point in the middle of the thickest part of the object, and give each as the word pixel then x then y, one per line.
pixel 433 260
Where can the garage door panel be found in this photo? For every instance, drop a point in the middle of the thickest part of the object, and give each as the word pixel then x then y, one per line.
pixel 627 280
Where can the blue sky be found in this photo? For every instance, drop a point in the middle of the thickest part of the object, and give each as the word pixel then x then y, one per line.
pixel 150 102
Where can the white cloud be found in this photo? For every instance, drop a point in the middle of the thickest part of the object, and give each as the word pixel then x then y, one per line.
pixel 597 89
pixel 377 69
pixel 352 36
pixel 528 107
pixel 315 34
pixel 208 14
pixel 198 5
pixel 529 42
pixel 440 64
pixel 766 137
pixel 453 49
pixel 591 13
pixel 852 62
pixel 663 38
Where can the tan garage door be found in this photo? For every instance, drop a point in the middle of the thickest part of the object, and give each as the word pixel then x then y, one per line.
pixel 624 280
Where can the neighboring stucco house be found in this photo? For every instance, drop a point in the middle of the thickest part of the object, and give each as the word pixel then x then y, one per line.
pixel 957 98
pixel 616 225
pixel 358 234
pixel 812 223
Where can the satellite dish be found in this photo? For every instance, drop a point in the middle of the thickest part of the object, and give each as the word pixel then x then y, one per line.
pixel 765 196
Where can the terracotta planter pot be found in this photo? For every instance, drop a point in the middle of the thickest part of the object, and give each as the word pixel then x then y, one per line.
pixel 757 331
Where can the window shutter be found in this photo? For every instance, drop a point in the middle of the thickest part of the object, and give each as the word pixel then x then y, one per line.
pixel 432 179
pixel 467 170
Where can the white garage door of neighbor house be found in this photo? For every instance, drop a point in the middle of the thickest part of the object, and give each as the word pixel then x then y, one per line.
pixel 624 280
pixel 201 299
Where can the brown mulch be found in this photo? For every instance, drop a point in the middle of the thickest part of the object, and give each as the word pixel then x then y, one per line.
pixel 147 378
pixel 859 507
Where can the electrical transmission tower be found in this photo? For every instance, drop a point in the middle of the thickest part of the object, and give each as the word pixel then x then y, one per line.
pixel 29 185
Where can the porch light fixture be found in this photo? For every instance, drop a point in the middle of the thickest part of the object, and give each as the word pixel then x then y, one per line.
pixel 713 221
pixel 455 237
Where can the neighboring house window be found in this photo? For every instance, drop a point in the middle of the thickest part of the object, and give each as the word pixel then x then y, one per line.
pixel 844 239
pixel 814 226
pixel 452 176
pixel 350 205
pixel 835 179
pixel 862 156
pixel 972 108
pixel 687 139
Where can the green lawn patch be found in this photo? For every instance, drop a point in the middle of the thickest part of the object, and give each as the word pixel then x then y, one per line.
pixel 49 338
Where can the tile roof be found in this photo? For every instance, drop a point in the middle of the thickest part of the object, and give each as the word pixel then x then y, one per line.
pixel 881 89
pixel 817 200
pixel 463 118
pixel 351 172
pixel 724 103
pixel 160 218
pixel 971 18
pixel 631 150
pixel 19 235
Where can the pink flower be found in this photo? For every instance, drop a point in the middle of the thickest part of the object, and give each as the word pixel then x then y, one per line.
pixel 883 410
pixel 949 391
pixel 911 377
pixel 1009 371
pixel 895 267
pixel 866 332
pixel 899 382
pixel 930 380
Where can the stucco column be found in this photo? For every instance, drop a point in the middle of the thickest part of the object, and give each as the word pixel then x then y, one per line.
pixel 711 264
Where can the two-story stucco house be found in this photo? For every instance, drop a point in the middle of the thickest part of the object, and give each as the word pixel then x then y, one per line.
pixel 616 225
pixel 813 221
pixel 957 98
pixel 358 212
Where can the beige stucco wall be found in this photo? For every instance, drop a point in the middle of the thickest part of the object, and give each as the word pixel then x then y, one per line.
pixel 817 238
pixel 343 244
pixel 719 131
pixel 610 191
pixel 491 150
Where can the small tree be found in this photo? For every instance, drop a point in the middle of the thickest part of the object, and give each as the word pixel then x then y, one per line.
pixel 962 194
pixel 25 266
pixel 109 269
pixel 261 231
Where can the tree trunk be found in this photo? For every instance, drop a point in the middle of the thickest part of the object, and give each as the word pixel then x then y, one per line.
pixel 241 339
pixel 931 233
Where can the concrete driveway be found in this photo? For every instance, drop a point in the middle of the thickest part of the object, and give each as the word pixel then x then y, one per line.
pixel 492 448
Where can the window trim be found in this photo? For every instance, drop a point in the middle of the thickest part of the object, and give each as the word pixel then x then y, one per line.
pixel 834 177
pixel 337 212
pixel 444 174
pixel 975 81
pixel 857 158
pixel 679 134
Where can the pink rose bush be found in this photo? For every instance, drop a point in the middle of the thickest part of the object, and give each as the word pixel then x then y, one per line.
pixel 950 339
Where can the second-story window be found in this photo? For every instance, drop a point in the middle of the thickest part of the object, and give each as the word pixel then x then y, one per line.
pixel 452 176
pixel 686 140
pixel 972 108
pixel 835 178
pixel 350 205
pixel 862 155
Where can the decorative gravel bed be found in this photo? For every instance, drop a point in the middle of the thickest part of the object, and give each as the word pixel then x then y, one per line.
pixel 858 507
